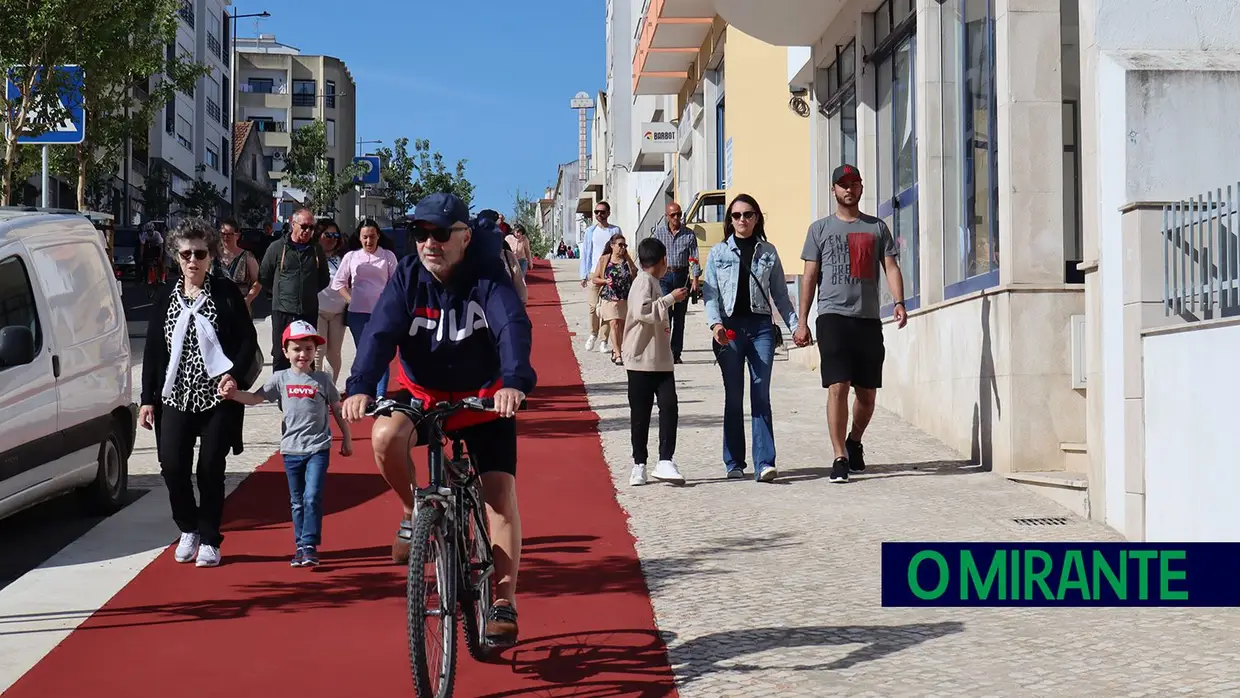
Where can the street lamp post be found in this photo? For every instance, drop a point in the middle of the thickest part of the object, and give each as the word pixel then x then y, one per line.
pixel 236 90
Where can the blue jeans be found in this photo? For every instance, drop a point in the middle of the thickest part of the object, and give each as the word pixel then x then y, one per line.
pixel 754 345
pixel 356 322
pixel 525 266
pixel 671 281
pixel 305 488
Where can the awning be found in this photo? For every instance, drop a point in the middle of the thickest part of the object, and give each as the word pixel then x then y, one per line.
pixel 781 22
pixel 671 35
pixel 591 194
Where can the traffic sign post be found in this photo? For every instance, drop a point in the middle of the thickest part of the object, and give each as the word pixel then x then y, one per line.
pixel 69 125
pixel 372 165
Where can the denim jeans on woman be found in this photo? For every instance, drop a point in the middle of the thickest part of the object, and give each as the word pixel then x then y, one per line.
pixel 357 323
pixel 305 487
pixel 753 346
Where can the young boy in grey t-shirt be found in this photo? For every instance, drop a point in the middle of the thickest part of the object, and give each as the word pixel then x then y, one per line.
pixel 307 397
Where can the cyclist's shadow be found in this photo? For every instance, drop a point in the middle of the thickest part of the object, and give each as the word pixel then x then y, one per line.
pixel 595 664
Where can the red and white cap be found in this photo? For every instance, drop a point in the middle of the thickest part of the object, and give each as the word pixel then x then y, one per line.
pixel 300 329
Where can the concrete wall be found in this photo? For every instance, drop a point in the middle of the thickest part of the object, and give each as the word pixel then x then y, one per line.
pixel 1190 465
pixel 770 143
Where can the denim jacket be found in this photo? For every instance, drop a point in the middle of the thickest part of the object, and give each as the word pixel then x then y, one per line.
pixel 723 267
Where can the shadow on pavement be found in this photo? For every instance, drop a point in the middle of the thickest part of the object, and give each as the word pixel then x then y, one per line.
pixel 341 492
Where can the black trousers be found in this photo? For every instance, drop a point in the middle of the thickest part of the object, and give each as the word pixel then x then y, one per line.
pixel 671 281
pixel 177 433
pixel 645 387
pixel 279 322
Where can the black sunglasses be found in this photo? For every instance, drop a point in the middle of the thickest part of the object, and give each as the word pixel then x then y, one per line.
pixel 737 215
pixel 441 235
pixel 602 212
pixel 196 254
pixel 334 236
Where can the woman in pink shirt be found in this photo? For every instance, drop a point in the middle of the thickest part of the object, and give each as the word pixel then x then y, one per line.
pixel 362 275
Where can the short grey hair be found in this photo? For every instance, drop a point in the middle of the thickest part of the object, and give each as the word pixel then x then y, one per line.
pixel 194 229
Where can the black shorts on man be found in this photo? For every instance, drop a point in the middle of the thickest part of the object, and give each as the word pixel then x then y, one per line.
pixel 850 350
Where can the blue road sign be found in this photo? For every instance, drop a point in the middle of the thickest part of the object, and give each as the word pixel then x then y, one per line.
pixel 372 165
pixel 69 125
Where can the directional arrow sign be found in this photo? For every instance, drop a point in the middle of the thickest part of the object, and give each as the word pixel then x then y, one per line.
pixel 70 124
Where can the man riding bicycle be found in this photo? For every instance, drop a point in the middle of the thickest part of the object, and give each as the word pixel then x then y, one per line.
pixel 462 331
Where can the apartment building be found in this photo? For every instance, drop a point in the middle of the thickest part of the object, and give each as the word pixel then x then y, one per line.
pixel 281 89
pixel 1023 180
pixel 195 131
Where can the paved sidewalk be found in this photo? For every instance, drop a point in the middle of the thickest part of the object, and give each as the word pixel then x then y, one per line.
pixel 773 589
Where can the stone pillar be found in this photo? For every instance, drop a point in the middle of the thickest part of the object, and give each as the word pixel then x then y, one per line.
pixel 867 119
pixel 1029 96
pixel 928 111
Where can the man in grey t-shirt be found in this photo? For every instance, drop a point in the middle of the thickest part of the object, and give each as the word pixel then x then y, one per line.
pixel 843 254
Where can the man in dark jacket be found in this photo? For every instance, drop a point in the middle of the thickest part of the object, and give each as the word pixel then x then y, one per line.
pixel 461 329
pixel 295 269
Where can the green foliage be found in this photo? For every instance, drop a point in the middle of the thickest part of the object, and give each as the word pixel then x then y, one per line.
pixel 203 198
pixel 157 194
pixel 306 166
pixel 254 210
pixel 410 177
pixel 525 213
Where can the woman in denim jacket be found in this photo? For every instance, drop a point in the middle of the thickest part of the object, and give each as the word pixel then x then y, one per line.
pixel 742 273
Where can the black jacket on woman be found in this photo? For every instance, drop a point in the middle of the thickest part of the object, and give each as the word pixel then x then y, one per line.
pixel 237 337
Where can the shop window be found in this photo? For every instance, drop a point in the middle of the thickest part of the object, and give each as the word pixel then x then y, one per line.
pixel 835 90
pixel 896 175
pixel 970 148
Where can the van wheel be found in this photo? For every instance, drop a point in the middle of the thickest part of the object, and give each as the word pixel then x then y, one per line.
pixel 106 495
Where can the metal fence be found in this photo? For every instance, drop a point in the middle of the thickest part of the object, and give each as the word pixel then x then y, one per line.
pixel 1201 255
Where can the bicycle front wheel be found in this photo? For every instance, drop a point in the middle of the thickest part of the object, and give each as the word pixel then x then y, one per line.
pixel 431 593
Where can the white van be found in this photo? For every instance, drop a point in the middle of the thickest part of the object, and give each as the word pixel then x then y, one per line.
pixel 67 417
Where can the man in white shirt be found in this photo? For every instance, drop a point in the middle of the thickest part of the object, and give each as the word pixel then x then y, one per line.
pixel 592 248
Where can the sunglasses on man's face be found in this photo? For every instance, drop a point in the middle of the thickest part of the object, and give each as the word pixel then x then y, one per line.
pixel 601 212
pixel 196 254
pixel 441 235
pixel 747 215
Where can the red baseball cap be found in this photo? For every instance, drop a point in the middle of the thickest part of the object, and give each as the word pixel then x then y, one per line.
pixel 300 329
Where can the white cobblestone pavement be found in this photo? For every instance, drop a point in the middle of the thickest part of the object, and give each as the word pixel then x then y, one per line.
pixel 774 589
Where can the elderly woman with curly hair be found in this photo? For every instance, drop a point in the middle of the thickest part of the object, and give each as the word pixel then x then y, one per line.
pixel 199 339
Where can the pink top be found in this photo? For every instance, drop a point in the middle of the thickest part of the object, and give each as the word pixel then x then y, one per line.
pixel 365 275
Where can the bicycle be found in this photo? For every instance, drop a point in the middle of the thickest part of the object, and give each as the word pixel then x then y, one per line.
pixel 451 537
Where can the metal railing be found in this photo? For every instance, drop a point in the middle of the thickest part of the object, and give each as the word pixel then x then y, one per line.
pixel 213 109
pixel 266 126
pixel 187 12
pixel 1201 255
pixel 213 44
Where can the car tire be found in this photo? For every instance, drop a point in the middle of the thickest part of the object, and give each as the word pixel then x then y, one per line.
pixel 106 495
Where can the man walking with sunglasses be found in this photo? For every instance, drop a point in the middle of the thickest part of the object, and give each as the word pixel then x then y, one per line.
pixel 682 253
pixel 461 330
pixel 295 269
pixel 597 236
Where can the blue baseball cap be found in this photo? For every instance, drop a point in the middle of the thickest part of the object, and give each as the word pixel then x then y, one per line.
pixel 442 210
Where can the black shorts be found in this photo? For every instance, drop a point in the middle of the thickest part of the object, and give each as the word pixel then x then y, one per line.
pixel 850 350
pixel 493 444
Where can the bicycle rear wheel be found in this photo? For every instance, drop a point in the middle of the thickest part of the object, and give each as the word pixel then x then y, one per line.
pixel 476 596
pixel 431 593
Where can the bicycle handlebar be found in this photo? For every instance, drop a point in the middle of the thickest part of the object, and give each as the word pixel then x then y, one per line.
pixel 385 407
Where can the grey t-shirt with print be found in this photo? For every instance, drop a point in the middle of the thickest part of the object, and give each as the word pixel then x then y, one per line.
pixel 850 255
pixel 306 400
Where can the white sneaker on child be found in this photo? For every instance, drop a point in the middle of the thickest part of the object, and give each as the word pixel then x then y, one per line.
pixel 604 347
pixel 666 471
pixel 590 343
pixel 638 476
pixel 187 548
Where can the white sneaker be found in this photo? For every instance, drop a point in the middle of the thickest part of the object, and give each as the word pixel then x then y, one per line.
pixel 208 556
pixel 188 547
pixel 638 476
pixel 604 347
pixel 666 471
pixel 590 342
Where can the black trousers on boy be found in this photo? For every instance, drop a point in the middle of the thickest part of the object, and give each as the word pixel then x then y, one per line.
pixel 178 433
pixel 645 387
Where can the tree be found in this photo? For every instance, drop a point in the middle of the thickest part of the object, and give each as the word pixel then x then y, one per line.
pixel 254 210
pixel 525 213
pixel 409 178
pixel 202 199
pixel 34 33
pixel 157 194
pixel 308 170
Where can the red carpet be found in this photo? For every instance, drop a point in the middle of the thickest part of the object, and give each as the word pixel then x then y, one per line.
pixel 255 627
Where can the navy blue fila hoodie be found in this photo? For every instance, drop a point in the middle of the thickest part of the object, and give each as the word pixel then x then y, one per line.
pixel 470 336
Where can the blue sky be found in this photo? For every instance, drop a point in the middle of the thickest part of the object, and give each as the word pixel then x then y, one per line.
pixel 485 80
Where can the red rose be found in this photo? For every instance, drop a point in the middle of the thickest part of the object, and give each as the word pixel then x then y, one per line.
pixel 729 334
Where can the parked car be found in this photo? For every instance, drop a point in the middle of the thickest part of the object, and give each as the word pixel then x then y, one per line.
pixel 125 253
pixel 67 417
pixel 705 219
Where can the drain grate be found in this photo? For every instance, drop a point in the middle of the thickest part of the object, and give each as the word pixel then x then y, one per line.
pixel 1042 521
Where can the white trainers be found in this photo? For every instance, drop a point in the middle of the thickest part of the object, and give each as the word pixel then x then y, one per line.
pixel 208 556
pixel 590 342
pixel 604 347
pixel 187 548
pixel 638 476
pixel 666 471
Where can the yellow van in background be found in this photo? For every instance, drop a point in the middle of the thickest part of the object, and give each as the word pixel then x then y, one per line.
pixel 705 219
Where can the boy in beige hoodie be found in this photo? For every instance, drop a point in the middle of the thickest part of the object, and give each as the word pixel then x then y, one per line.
pixel 647 354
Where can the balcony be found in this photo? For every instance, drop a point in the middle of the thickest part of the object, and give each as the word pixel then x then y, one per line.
pixel 266 126
pixel 781 22
pixel 213 109
pixel 213 45
pixel 187 12
pixel 670 38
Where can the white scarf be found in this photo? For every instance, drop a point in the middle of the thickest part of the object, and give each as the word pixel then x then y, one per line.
pixel 217 363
